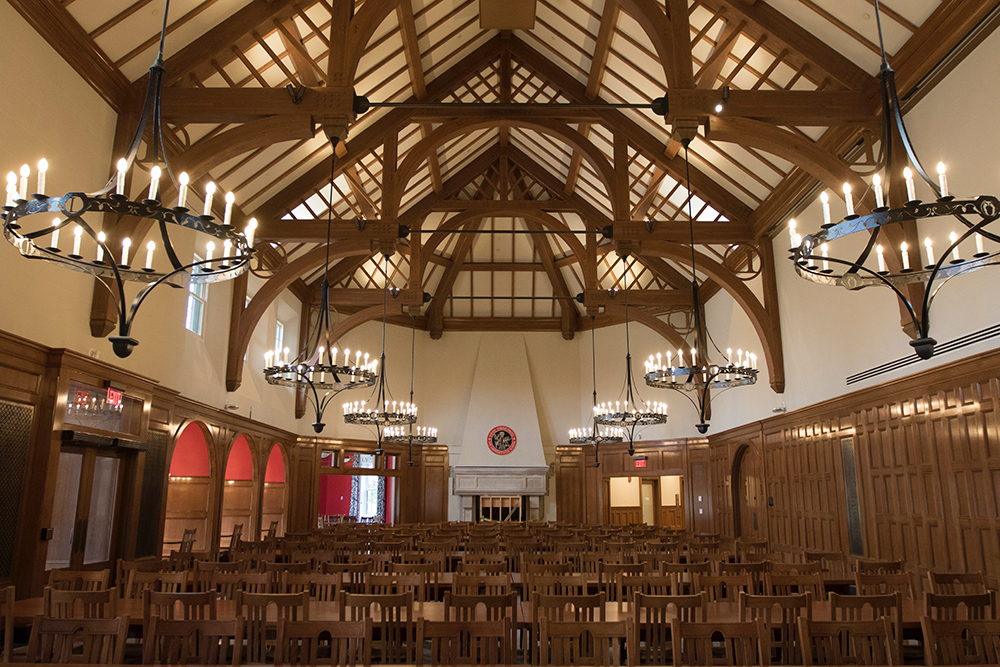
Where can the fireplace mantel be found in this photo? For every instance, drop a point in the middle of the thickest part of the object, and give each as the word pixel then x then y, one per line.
pixel 471 481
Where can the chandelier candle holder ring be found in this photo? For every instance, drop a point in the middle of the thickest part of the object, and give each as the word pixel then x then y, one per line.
pixel 392 414
pixel 620 416
pixel 423 435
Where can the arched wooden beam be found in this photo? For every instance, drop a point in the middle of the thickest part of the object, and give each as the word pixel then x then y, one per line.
pixel 274 286
pixel 366 315
pixel 795 148
pixel 646 13
pixel 639 315
pixel 204 155
pixel 505 210
pixel 448 131
pixel 742 294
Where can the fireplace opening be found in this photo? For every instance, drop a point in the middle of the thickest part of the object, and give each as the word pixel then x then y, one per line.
pixel 500 508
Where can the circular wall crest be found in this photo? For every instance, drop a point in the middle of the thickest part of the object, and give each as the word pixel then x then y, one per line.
pixel 501 440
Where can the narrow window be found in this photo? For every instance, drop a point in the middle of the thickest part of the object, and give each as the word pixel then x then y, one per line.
pixel 194 318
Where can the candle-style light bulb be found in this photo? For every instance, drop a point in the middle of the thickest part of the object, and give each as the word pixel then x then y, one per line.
pixel 154 181
pixel 126 244
pixel 150 247
pixel 11 188
pixel 250 231
pixel 825 249
pixel 209 249
pixel 979 244
pixel 77 238
pixel 904 251
pixel 285 351
pixel 182 188
pixel 120 181
pixel 54 242
pixel 942 179
pixel 881 258
pixel 43 166
pixel 825 200
pixel 25 173
pixel 347 357
pixel 101 238
pixel 228 216
pixel 911 188
pixel 209 193
pixel 930 252
pixel 227 246
pixel 791 231
pixel 954 248
pixel 877 186
pixel 848 199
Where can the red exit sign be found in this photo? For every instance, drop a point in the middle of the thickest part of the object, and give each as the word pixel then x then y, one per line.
pixel 114 397
pixel 640 462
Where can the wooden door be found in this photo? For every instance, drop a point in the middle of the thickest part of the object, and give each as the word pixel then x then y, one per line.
pixel 748 487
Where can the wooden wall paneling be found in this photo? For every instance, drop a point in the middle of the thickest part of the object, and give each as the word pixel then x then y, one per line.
pixel 570 489
pixel 592 492
pixel 273 504
pixel 698 483
pixel 237 508
pixel 625 516
pixel 188 506
pixel 435 477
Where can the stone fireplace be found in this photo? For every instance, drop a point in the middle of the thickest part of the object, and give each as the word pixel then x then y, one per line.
pixel 470 482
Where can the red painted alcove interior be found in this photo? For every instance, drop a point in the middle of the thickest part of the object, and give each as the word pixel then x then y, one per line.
pixel 240 464
pixel 190 457
pixel 275 471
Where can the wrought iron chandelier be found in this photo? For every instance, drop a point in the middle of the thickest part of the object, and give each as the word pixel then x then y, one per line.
pixel 316 371
pixel 386 412
pixel 406 435
pixel 107 253
pixel 696 378
pixel 618 415
pixel 592 434
pixel 927 269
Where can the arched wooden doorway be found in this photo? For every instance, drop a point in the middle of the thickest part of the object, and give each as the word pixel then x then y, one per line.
pixel 748 494
pixel 238 497
pixel 275 499
pixel 189 489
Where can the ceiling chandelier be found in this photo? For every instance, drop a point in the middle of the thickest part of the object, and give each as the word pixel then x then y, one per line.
pixel 316 371
pixel 593 434
pixel 385 413
pixel 107 251
pixel 619 416
pixel 696 378
pixel 926 269
pixel 423 435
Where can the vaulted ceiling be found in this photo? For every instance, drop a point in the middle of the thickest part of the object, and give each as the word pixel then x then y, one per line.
pixel 254 91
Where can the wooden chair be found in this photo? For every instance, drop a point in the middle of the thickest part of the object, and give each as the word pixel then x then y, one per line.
pixel 627 585
pixel 272 531
pixel 742 643
pixel 968 642
pixel 7 622
pixel 880 584
pixel 123 568
pixel 848 642
pixel 346 643
pixel 300 567
pixel 228 584
pixel 954 583
pixel 725 588
pixel 686 574
pixel 79 604
pixel 70 580
pixel 564 608
pixel 198 642
pixel 879 566
pixel 201 575
pixel 756 572
pixel 253 607
pixel 465 642
pixel 188 540
pixel 832 563
pixel 775 567
pixel 320 587
pixel 796 584
pixel 481 568
pixel 353 573
pixel 468 584
pixel 598 643
pixel 90 640
pixel 430 577
pixel 391 584
pixel 871 608
pixel 393 619
pixel 652 615
pixel 606 573
pixel 782 631
pixel 178 607
pixel 981 607
pixel 167 582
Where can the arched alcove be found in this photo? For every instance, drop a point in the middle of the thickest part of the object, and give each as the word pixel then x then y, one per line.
pixel 748 493
pixel 275 499
pixel 238 493
pixel 189 489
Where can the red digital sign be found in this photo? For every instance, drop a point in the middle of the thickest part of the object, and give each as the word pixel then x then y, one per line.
pixel 640 463
pixel 114 397
pixel 82 397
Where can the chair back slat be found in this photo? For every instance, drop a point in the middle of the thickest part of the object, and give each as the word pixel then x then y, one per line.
pixel 346 643
pixel 201 641
pixel 90 640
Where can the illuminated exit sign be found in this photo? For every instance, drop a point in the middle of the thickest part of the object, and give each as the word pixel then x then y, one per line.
pixel 640 461
pixel 114 397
